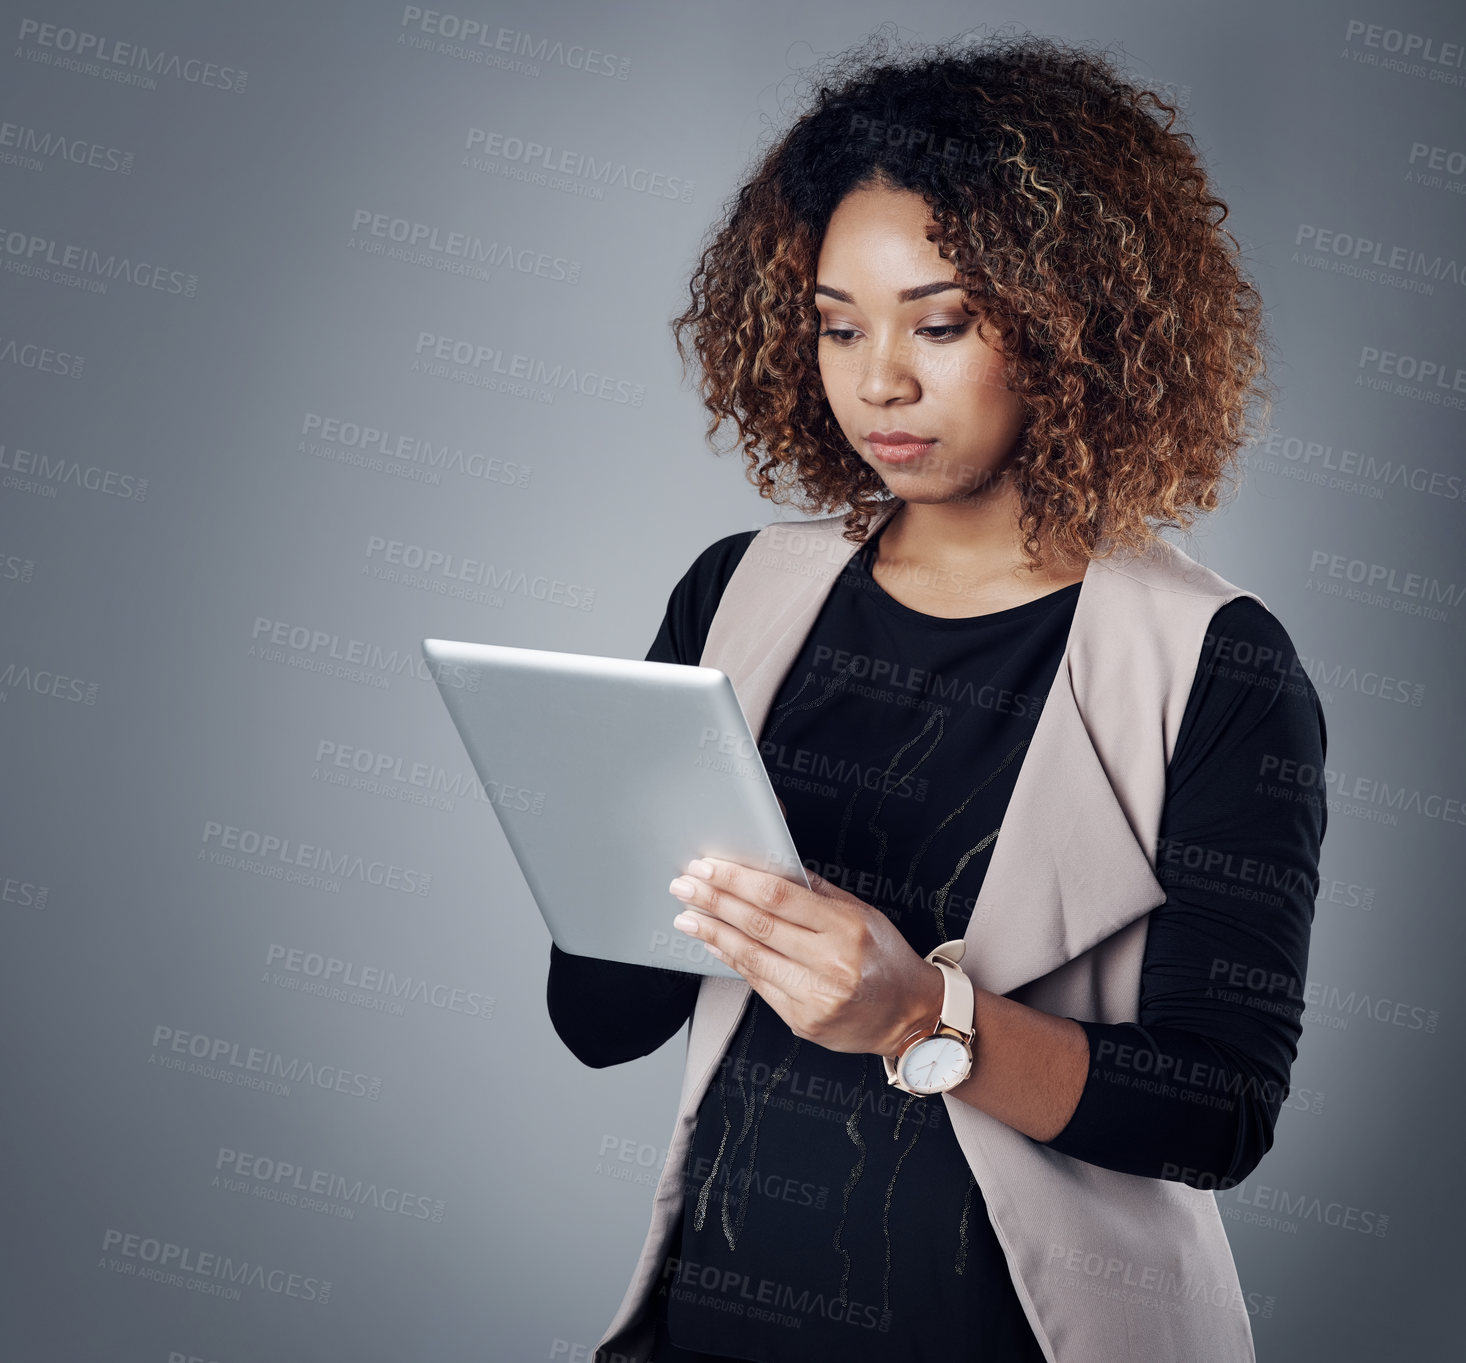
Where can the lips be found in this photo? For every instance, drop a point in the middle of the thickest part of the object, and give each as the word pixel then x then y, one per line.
pixel 898 447
pixel 898 438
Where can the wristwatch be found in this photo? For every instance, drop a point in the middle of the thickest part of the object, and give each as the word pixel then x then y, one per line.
pixel 935 1059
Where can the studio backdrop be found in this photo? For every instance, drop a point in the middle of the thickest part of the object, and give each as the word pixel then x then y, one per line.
pixel 328 327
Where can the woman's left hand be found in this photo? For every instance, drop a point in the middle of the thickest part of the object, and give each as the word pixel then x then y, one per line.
pixel 835 969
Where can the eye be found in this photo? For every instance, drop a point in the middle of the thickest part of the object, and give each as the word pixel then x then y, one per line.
pixel 950 332
pixel 941 334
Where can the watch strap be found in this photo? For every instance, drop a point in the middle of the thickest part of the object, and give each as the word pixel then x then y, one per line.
pixel 957 1005
pixel 957 999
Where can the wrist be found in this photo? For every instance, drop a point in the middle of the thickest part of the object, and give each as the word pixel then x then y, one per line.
pixel 923 1010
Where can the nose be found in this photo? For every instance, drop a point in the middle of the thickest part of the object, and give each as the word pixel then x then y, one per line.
pixel 887 377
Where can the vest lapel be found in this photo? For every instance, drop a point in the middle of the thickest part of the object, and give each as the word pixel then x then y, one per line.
pixel 1066 870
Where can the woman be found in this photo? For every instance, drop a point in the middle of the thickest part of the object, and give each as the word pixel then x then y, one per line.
pixel 979 1089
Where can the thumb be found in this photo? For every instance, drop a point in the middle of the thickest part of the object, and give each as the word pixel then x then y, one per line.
pixel 782 810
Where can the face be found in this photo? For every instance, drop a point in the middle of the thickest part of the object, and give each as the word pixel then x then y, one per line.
pixel 899 354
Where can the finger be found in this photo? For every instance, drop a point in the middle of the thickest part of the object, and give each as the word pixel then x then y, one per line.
pixel 730 943
pixel 784 1004
pixel 799 981
pixel 764 925
pixel 732 884
pixel 792 993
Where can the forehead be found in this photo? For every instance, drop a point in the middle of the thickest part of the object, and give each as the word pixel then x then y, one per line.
pixel 876 239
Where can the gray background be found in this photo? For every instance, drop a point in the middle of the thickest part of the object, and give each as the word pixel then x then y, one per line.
pixel 145 708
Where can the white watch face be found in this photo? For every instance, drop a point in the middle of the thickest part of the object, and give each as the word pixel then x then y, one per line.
pixel 934 1064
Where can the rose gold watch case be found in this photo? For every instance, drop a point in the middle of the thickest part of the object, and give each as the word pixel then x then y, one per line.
pixel 943 1033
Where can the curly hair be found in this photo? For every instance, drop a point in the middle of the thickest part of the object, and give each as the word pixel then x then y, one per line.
pixel 1078 223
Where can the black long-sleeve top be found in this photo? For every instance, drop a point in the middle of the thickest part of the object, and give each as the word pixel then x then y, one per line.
pixel 834 1212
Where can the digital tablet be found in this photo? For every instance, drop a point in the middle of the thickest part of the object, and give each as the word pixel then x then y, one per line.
pixel 608 775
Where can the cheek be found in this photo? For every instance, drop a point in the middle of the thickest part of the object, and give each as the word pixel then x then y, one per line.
pixel 834 369
pixel 971 374
pixel 839 379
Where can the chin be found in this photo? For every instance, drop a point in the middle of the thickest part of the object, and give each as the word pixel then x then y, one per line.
pixel 927 489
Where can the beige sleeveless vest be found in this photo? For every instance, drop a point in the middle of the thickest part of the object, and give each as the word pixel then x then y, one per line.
pixel 1108 1266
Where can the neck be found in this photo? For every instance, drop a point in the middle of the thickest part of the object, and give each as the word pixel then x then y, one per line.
pixel 977 537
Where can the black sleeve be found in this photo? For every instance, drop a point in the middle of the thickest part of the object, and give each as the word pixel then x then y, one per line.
pixel 608 1012
pixel 1191 1092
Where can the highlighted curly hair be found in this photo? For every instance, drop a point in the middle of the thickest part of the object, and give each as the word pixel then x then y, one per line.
pixel 1079 224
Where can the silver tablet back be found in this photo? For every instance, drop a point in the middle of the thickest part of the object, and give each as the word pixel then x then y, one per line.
pixel 608 775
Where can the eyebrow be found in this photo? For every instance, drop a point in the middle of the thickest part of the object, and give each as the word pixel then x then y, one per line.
pixel 905 296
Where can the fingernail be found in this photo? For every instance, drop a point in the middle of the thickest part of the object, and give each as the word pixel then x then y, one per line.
pixel 698 867
pixel 683 888
pixel 685 922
